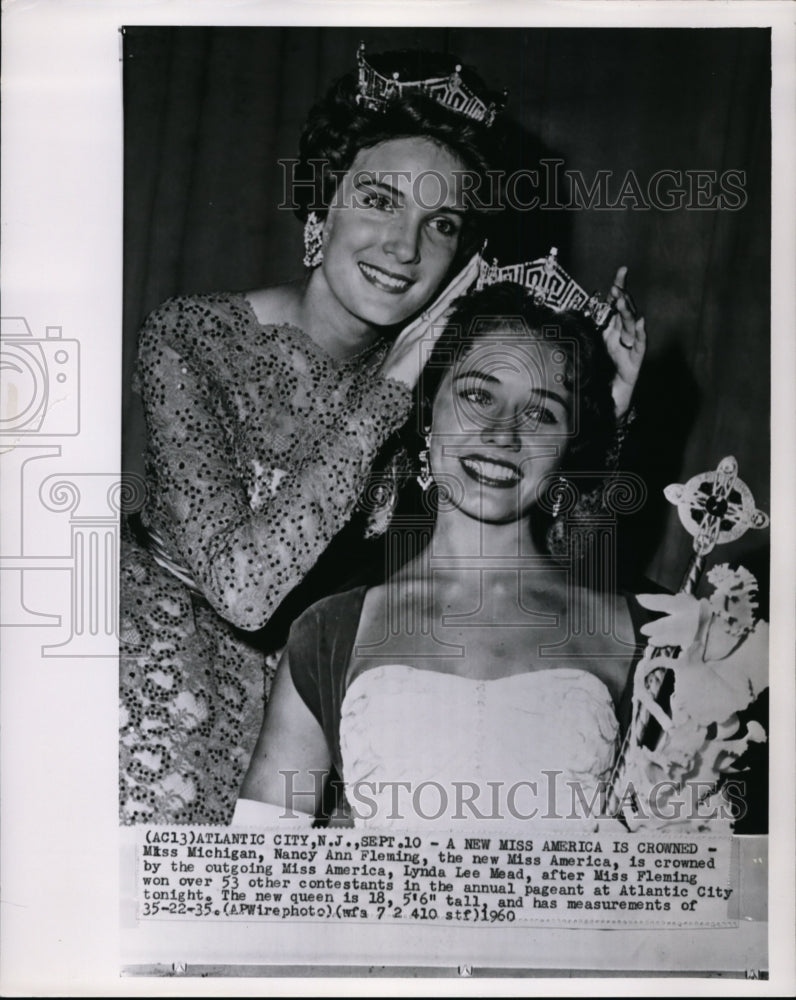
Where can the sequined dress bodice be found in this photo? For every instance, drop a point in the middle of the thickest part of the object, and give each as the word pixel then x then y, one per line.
pixel 258 445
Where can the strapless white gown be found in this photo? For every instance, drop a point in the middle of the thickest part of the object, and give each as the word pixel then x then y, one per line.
pixel 424 749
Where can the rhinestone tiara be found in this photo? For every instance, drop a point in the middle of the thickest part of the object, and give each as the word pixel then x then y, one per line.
pixel 376 91
pixel 549 283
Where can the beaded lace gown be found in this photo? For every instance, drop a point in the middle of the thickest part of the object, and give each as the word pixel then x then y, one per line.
pixel 258 444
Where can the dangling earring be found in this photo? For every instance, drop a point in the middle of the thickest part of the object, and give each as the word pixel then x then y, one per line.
pixel 558 533
pixel 424 477
pixel 559 501
pixel 313 240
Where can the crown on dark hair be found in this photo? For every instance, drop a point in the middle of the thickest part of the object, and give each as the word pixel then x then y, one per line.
pixel 376 92
pixel 549 284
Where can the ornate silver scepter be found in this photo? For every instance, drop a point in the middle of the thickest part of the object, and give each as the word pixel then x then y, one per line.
pixel 715 508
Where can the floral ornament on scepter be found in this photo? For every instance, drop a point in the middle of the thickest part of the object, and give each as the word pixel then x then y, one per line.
pixel 716 656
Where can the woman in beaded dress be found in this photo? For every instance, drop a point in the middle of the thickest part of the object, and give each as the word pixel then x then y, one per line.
pixel 265 412
pixel 462 690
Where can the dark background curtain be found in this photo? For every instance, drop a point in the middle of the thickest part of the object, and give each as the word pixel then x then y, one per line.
pixel 209 112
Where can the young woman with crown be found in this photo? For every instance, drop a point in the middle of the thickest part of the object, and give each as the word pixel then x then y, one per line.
pixel 265 412
pixel 463 690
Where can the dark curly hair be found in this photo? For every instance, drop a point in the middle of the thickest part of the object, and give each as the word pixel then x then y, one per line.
pixel 338 128
pixel 588 370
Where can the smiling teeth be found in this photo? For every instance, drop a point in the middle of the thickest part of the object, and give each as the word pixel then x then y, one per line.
pixel 490 470
pixel 386 279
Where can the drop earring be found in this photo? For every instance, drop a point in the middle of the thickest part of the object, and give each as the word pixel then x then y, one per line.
pixel 558 533
pixel 313 240
pixel 561 483
pixel 424 477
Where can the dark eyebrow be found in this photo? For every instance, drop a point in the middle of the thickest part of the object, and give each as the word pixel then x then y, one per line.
pixel 475 374
pixel 462 213
pixel 547 393
pixel 367 179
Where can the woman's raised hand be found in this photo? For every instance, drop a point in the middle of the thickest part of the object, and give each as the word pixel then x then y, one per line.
pixel 626 340
pixel 406 357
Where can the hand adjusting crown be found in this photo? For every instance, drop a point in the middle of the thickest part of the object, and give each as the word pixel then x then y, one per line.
pixel 376 91
pixel 549 283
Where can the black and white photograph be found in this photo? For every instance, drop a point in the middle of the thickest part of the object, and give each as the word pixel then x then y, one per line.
pixel 431 564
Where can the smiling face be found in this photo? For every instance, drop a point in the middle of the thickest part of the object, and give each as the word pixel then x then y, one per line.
pixel 502 420
pixel 392 234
